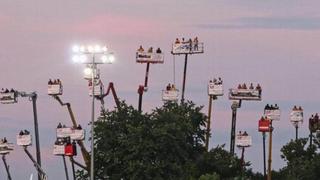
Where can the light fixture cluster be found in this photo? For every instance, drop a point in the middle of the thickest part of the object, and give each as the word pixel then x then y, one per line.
pixel 90 49
pixel 82 53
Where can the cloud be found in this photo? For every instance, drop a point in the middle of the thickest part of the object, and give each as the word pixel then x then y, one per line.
pixel 289 23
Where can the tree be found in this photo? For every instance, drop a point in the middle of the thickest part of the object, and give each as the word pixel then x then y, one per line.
pixel 221 162
pixel 213 176
pixel 303 161
pixel 164 144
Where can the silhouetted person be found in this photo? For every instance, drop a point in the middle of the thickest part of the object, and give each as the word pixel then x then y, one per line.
pixel 21 133
pixel 267 107
pixel 26 132
pixel 59 125
pixel 168 87
pixel 150 50
pixel 140 49
pixel 251 86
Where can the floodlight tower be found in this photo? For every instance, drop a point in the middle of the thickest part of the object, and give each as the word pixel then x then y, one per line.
pixel 82 53
pixel 272 113
pixel 149 57
pixel 296 118
pixel 186 48
pixel 238 95
pixel 215 89
pixel 10 97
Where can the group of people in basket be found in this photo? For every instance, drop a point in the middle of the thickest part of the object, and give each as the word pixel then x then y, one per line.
pixel 295 108
pixel 54 82
pixel 3 141
pixel 244 86
pixel 150 50
pixel 217 81
pixel 7 90
pixel 192 43
pixel 271 107
pixel 171 87
pixel 314 122
pixel 24 132
pixel 64 126
pixel 243 133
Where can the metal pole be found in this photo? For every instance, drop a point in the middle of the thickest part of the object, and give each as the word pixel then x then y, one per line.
pixel 310 138
pixel 270 151
pixel 73 169
pixel 65 167
pixel 208 123
pixel 36 165
pixel 296 132
pixel 242 161
pixel 184 77
pixel 6 166
pixel 233 127
pixel 36 130
pixel 92 119
pixel 147 75
pixel 140 92
pixel 264 154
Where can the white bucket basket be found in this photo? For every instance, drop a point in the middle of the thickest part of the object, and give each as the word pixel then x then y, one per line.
pixel 170 95
pixel 8 98
pixel 58 149
pixel 24 140
pixel 187 48
pixel 77 134
pixel 146 57
pixel 243 141
pixel 215 89
pixel 273 114
pixel 296 116
pixel 55 89
pixel 245 94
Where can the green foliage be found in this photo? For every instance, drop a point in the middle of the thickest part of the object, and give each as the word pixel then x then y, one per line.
pixel 161 145
pixel 303 161
pixel 220 161
pixel 213 176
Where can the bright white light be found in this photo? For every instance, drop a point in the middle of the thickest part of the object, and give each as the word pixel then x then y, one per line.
pixel 97 48
pixel 75 58
pixel 82 49
pixel 90 49
pixel 104 59
pixel 111 58
pixel 75 49
pixel 83 58
pixel 104 49
pixel 88 71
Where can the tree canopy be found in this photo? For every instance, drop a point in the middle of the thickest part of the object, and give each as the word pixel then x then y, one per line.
pixel 167 143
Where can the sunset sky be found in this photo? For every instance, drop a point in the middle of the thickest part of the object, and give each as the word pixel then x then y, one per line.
pixel 274 43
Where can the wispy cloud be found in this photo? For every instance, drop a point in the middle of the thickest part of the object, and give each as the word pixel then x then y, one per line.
pixel 289 23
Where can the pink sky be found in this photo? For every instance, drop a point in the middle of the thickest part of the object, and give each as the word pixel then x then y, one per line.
pixel 274 43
